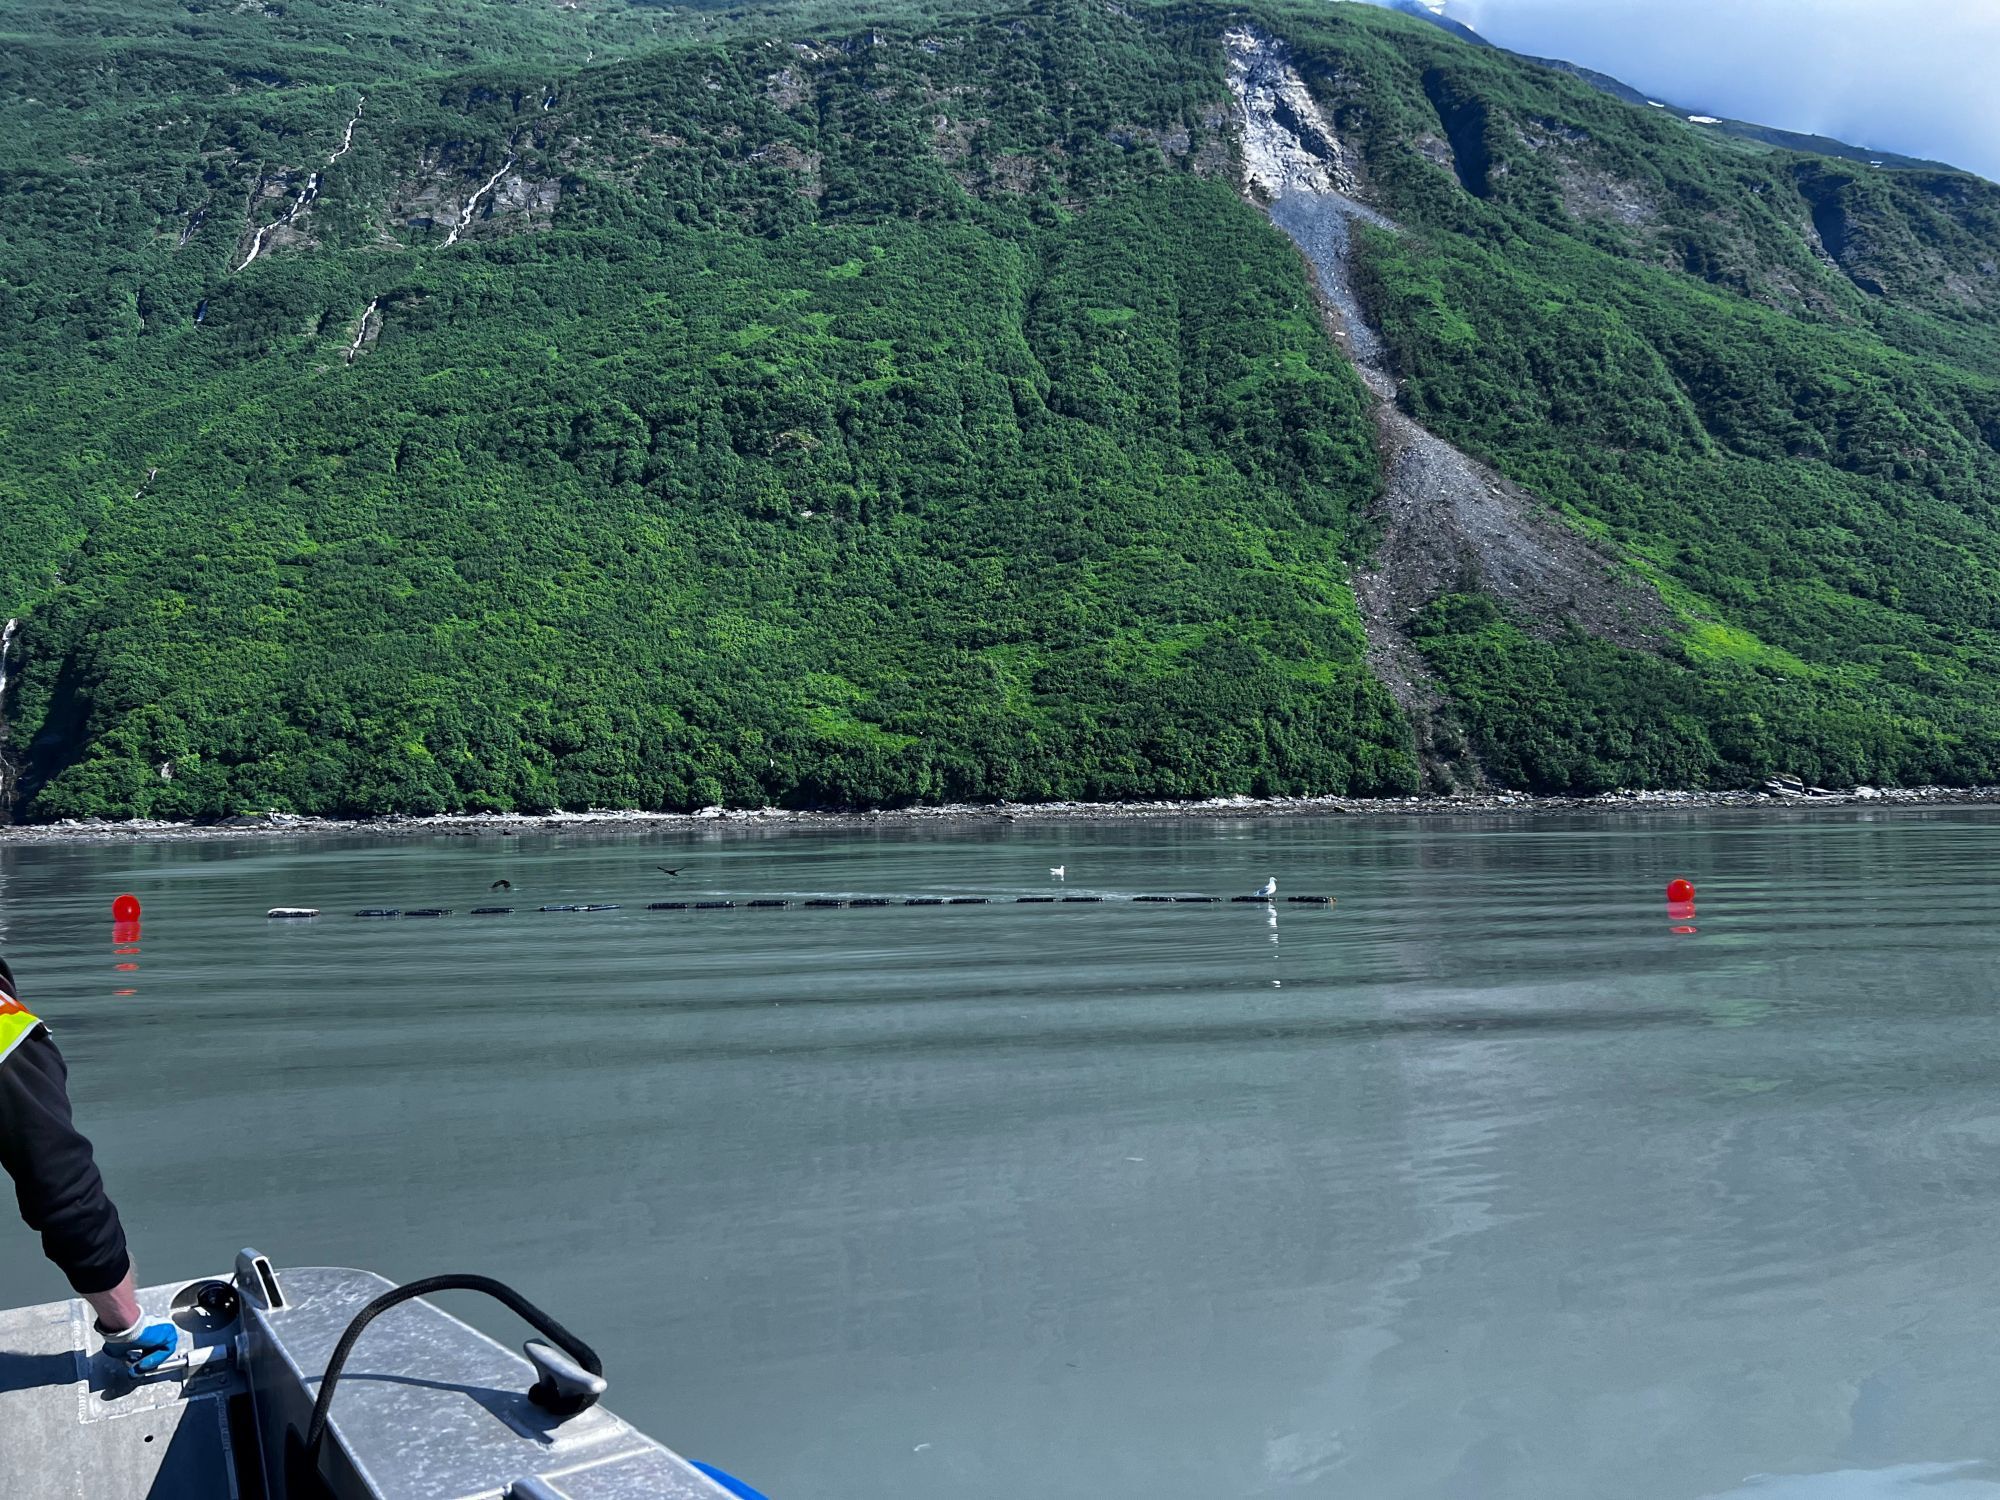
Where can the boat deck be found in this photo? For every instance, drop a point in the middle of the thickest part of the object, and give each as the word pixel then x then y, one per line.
pixel 67 1434
pixel 429 1408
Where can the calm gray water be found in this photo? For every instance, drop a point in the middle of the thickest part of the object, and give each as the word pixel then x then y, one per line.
pixel 1486 1183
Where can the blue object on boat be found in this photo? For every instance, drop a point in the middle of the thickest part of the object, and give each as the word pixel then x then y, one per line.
pixel 729 1482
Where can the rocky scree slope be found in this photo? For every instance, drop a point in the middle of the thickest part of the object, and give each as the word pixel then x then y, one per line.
pixel 1448 523
pixel 1649 331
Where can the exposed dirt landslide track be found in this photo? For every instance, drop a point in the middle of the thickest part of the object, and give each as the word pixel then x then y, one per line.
pixel 1448 521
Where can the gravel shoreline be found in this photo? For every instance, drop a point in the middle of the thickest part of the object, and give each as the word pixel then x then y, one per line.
pixel 463 825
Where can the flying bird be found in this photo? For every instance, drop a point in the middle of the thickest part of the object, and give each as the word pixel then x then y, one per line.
pixel 665 871
pixel 1269 888
pixel 501 885
pixel 1057 870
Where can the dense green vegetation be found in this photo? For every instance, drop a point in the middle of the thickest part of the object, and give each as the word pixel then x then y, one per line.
pixel 1801 449
pixel 772 464
pixel 835 410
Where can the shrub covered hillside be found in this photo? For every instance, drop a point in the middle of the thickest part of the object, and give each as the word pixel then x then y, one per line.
pixel 1770 382
pixel 497 405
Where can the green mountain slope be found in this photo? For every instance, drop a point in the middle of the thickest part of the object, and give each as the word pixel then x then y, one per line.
pixel 653 408
pixel 1767 382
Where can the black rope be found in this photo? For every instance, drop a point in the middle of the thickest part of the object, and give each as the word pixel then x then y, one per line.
pixel 575 1347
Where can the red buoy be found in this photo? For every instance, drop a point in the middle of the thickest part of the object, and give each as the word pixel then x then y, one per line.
pixel 125 909
pixel 1680 890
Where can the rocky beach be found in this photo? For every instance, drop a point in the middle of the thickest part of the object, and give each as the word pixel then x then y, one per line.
pixel 1489 803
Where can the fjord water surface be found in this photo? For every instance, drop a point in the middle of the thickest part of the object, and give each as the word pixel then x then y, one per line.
pixel 1486 1182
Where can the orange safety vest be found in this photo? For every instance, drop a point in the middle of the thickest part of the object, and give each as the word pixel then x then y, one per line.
pixel 16 1023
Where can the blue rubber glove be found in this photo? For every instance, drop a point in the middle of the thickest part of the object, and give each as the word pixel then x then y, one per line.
pixel 142 1348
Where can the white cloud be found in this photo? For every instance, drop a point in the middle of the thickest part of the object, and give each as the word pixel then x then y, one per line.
pixel 1913 76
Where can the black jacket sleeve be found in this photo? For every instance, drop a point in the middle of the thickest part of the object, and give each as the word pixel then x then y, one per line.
pixel 54 1171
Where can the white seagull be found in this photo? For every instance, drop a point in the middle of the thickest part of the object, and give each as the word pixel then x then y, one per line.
pixel 1057 870
pixel 1269 888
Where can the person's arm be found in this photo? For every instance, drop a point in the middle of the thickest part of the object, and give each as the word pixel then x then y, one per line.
pixel 56 1180
pixel 62 1198
pixel 119 1307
